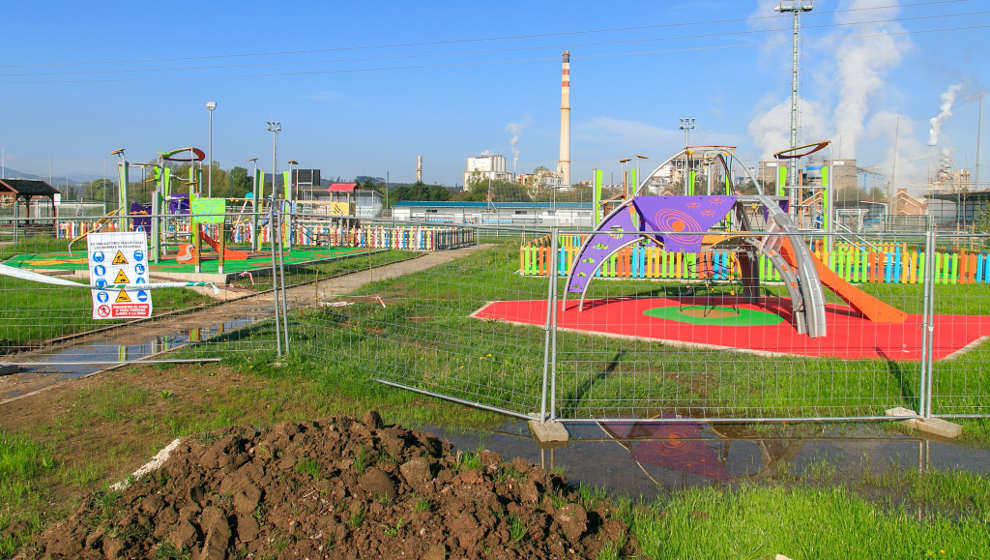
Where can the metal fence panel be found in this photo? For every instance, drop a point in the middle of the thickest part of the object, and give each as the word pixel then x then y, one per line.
pixel 669 335
pixel 960 378
pixel 415 325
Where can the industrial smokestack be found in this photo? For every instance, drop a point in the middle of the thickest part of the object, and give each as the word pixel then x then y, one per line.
pixel 564 164
pixel 419 169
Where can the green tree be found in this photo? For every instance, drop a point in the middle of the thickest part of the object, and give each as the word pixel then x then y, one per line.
pixel 502 191
pixel 981 221
pixel 240 182
pixel 417 191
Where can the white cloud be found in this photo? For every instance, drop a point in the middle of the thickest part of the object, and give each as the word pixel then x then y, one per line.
pixel 771 129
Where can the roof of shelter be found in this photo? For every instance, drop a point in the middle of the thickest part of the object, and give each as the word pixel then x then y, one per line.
pixel 29 187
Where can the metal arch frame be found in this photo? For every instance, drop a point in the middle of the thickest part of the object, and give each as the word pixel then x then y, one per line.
pixel 806 295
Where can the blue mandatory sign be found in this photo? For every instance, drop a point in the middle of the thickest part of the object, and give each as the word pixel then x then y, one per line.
pixel 102 297
pixel 99 270
pixel 139 268
pixel 100 283
pixel 98 256
pixel 139 255
pixel 142 296
pixel 140 280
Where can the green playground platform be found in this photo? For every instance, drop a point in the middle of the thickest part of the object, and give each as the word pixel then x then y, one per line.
pixel 261 261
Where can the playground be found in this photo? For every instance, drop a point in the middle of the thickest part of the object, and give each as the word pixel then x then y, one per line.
pixel 760 327
pixel 253 262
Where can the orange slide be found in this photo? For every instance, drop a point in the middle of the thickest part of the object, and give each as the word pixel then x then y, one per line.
pixel 187 251
pixel 228 254
pixel 865 304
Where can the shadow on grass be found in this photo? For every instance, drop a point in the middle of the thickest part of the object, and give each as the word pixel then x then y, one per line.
pixel 582 389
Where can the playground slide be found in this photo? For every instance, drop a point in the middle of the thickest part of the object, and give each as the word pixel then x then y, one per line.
pixel 228 254
pixel 96 227
pixel 865 304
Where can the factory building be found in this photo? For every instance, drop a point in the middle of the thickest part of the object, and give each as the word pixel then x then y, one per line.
pixel 484 167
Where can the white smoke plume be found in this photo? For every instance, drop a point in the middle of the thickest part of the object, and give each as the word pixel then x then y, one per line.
pixel 515 131
pixel 913 158
pixel 864 55
pixel 947 98
pixel 772 128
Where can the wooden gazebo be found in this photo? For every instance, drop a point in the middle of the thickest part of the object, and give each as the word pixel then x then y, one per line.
pixel 13 191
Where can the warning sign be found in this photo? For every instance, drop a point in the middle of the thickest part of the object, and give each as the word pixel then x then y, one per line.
pixel 115 294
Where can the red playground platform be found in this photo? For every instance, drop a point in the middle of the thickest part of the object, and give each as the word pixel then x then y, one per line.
pixel 763 327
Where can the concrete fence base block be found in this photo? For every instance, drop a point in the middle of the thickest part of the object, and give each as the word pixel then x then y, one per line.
pixel 933 426
pixel 548 432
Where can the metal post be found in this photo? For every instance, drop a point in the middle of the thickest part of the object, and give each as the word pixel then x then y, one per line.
pixel 551 304
pixel 930 311
pixel 925 318
pixel 274 231
pixel 553 323
pixel 281 270
pixel 210 106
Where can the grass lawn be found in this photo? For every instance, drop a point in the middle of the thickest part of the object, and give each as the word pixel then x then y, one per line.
pixel 61 446
pixel 424 337
pixel 299 273
pixel 31 313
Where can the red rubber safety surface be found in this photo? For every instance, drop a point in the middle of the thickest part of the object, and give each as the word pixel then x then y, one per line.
pixel 850 336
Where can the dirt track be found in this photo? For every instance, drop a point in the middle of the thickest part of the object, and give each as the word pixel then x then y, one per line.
pixel 248 307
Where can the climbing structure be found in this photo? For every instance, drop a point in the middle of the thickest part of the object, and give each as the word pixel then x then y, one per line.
pixel 682 222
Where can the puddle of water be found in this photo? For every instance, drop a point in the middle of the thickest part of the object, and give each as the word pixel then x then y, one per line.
pixel 109 352
pixel 630 460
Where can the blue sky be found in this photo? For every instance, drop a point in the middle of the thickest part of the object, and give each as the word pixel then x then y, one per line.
pixel 362 88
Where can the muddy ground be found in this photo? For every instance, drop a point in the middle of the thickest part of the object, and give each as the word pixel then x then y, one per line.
pixel 336 488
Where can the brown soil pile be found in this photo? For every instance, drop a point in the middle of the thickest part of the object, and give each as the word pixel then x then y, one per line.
pixel 339 488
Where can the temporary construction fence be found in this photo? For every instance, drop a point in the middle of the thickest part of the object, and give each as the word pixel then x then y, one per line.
pixel 471 325
pixel 481 330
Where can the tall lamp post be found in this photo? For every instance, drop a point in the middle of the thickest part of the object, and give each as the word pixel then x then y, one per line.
pixel 210 106
pixel 639 159
pixel 625 176
pixel 687 125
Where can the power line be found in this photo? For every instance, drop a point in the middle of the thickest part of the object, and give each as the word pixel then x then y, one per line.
pixel 506 50
pixel 496 51
pixel 504 62
pixel 707 22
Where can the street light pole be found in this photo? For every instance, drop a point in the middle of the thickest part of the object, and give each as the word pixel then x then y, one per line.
pixel 210 106
pixel 625 177
pixel 639 158
pixel 687 125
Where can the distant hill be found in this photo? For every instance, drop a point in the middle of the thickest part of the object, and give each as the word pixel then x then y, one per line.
pixel 60 179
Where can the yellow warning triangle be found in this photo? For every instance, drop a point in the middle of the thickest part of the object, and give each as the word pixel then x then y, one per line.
pixel 121 278
pixel 119 259
pixel 122 297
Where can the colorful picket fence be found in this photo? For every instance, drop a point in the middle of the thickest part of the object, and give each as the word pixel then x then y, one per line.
pixel 890 264
pixel 373 237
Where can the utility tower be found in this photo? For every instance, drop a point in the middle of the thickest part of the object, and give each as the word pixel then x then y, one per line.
pixel 795 7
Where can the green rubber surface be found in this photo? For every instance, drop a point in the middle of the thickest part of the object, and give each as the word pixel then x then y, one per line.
pixel 741 316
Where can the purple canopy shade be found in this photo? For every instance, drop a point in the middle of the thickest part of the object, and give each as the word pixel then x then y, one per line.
pixel 142 217
pixel 692 215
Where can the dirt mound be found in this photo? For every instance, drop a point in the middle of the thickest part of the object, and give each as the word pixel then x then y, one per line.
pixel 339 488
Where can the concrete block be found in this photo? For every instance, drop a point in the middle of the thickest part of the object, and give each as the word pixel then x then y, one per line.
pixel 548 432
pixel 933 426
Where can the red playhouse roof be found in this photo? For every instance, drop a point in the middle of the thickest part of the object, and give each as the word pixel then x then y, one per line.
pixel 342 187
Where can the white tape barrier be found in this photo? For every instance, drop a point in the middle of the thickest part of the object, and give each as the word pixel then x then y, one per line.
pixel 21 274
